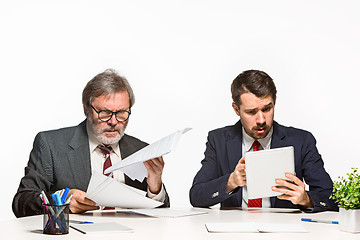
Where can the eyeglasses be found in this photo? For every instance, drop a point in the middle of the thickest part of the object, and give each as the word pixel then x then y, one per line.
pixel 106 115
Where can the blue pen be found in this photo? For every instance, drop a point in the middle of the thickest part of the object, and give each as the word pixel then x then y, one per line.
pixel 318 221
pixel 58 198
pixel 54 199
pixel 64 195
pixel 80 222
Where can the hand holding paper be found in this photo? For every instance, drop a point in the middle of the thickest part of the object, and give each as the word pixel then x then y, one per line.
pixel 106 191
pixel 133 165
pixel 155 168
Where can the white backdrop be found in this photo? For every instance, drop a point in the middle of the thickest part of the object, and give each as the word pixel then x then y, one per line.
pixel 180 58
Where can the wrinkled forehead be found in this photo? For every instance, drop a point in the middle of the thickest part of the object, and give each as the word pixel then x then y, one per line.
pixel 119 100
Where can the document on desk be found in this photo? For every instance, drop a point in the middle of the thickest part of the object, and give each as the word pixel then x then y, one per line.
pixel 106 191
pixel 133 165
pixel 165 212
pixel 103 227
pixel 254 227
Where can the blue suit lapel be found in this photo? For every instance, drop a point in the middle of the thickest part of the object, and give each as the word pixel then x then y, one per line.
pixel 278 138
pixel 234 146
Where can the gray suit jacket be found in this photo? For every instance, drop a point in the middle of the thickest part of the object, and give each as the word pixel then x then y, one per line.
pixel 59 159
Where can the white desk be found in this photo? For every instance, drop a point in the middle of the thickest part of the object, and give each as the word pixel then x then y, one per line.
pixel 191 227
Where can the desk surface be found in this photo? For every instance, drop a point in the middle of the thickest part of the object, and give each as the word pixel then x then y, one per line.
pixel 189 227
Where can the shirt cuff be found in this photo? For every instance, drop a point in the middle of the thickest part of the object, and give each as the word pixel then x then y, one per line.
pixel 158 197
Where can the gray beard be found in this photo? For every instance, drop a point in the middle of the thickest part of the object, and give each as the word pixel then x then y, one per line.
pixel 98 134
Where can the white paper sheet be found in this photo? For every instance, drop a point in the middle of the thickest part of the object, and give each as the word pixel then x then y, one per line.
pixel 280 228
pixel 106 191
pixel 164 212
pixel 103 227
pixel 234 227
pixel 254 227
pixel 133 165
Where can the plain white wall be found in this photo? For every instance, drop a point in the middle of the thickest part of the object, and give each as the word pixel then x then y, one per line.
pixel 180 58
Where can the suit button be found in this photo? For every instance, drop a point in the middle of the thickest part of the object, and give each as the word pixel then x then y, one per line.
pixel 215 194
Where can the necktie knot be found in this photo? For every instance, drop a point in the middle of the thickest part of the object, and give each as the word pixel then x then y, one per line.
pixel 256 145
pixel 105 149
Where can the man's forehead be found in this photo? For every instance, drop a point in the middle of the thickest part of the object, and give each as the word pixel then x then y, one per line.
pixel 249 100
pixel 120 99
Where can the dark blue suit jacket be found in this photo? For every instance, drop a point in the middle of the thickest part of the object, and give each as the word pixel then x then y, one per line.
pixel 224 150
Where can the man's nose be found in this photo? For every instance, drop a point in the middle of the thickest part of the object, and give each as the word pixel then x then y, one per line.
pixel 261 118
pixel 112 121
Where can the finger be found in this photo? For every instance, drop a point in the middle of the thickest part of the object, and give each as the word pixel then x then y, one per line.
pixel 240 178
pixel 293 178
pixel 287 184
pixel 80 196
pixel 284 197
pixel 149 168
pixel 283 190
pixel 240 166
pixel 156 164
pixel 77 207
pixel 81 209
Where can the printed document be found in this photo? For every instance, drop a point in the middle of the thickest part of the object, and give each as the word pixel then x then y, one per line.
pixel 133 165
pixel 106 191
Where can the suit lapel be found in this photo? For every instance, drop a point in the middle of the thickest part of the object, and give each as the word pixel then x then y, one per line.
pixel 79 157
pixel 234 145
pixel 279 138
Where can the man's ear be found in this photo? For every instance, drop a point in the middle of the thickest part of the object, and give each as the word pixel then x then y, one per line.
pixel 236 109
pixel 85 110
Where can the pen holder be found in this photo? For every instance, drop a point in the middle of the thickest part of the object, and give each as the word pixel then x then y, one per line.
pixel 56 219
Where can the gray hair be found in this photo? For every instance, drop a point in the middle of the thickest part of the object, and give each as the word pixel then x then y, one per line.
pixel 105 83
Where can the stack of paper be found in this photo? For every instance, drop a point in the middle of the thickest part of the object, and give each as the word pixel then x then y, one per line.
pixel 106 191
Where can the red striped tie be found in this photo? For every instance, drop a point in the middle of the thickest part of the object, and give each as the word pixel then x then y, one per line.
pixel 106 150
pixel 255 202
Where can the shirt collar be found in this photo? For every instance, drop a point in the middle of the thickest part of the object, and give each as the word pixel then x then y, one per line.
pixel 264 142
pixel 93 142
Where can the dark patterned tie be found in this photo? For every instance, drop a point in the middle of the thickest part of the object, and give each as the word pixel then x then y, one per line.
pixel 106 150
pixel 255 202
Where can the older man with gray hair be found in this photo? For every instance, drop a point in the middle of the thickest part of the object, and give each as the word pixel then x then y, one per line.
pixel 66 158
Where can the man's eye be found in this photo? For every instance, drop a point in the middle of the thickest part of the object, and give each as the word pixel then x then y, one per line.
pixel 266 109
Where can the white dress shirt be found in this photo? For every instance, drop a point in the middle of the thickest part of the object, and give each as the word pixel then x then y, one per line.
pixel 97 164
pixel 247 143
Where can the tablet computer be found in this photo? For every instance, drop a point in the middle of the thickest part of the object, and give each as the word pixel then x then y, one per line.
pixel 263 167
